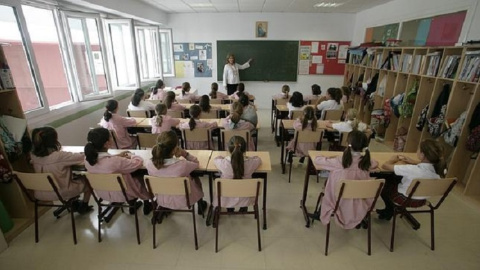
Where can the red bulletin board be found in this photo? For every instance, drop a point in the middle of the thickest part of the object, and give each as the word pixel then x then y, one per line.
pixel 322 57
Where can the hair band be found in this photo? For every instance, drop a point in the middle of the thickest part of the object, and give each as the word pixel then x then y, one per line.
pixel 349 145
pixel 90 142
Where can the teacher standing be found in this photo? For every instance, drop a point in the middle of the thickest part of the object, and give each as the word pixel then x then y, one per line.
pixel 231 77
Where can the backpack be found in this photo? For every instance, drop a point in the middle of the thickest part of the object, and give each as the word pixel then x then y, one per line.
pixel 473 140
pixel 400 139
pixel 406 109
pixel 475 121
pixel 395 104
pixel 387 112
pixel 452 134
pixel 422 118
pixel 438 115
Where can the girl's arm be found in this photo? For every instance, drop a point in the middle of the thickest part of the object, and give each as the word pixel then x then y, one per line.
pixel 389 164
pixel 69 158
pixel 128 165
pixel 128 122
pixel 328 163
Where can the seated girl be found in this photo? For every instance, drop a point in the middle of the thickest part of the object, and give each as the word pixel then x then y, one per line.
pixel 316 94
pixel 195 122
pixel 205 104
pixel 295 103
pixel 284 94
pixel 162 122
pixel 186 95
pixel 240 90
pixel 112 121
pixel 138 102
pixel 214 94
pixel 172 104
pixel 234 122
pixel 331 101
pixel 158 92
pixel 308 121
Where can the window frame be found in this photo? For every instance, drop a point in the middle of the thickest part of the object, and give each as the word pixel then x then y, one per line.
pixel 172 61
pixel 157 48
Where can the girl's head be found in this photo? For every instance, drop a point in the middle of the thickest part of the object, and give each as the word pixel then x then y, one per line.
pixel 110 107
pixel 432 152
pixel 158 85
pixel 230 58
pixel 235 118
pixel 346 91
pixel 357 142
pixel 244 100
pixel 285 90
pixel 45 141
pixel 237 148
pixel 241 87
pixel 98 140
pixel 185 88
pixel 169 99
pixel 205 103
pixel 160 109
pixel 165 148
pixel 333 93
pixel 237 107
pixel 309 115
pixel 297 99
pixel 214 89
pixel 195 112
pixel 316 90
pixel 138 96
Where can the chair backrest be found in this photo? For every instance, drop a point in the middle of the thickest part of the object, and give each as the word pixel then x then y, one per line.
pixel 106 181
pixel 309 136
pixel 36 181
pixel 113 136
pixel 155 101
pixel 343 139
pixel 213 114
pixel 238 187
pixel 138 113
pixel 228 134
pixel 175 114
pixel 281 101
pixel 431 187
pixel 216 101
pixel 335 115
pixel 196 135
pixel 359 189
pixel 296 114
pixel 167 185
pixel 183 101
pixel 146 140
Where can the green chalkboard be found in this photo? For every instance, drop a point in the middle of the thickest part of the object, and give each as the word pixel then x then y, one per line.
pixel 272 60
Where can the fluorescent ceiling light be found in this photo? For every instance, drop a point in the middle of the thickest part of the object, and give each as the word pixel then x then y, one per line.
pixel 201 5
pixel 327 4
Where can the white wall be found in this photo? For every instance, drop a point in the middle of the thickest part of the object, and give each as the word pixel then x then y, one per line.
pixel 241 26
pixel 406 10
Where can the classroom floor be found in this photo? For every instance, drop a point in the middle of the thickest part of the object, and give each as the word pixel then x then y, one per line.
pixel 287 243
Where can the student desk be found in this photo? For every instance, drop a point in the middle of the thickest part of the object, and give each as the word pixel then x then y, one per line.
pixel 261 171
pixel 281 112
pixel 223 107
pixel 287 125
pixel 380 157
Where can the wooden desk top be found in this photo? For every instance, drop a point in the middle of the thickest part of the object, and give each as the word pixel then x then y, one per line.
pixel 284 108
pixel 266 165
pixel 139 120
pixel 380 157
pixel 223 107
pixel 288 124
pixel 218 121
pixel 202 155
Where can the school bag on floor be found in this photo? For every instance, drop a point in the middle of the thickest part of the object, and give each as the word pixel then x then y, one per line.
pixel 452 134
pixel 437 118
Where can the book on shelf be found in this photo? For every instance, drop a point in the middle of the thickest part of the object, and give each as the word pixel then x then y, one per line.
pixel 470 66
pixel 395 61
pixel 433 60
pixel 378 60
pixel 406 62
pixel 418 63
pixel 450 66
pixel 6 78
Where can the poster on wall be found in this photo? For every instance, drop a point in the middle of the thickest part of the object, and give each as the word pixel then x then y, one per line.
pixel 193 59
pixel 322 57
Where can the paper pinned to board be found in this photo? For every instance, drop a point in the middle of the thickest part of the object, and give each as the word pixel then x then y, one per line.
pixel 315 47
pixel 317 59
pixel 303 67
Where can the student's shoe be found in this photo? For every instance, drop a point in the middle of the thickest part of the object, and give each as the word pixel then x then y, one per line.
pixel 384 214
pixel 84 208
pixel 230 210
pixel 302 159
pixel 243 209
pixel 147 207
pixel 137 204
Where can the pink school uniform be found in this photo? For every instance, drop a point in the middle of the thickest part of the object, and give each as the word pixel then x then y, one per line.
pixel 189 96
pixel 302 148
pixel 114 164
pixel 177 167
pixel 59 164
pixel 241 125
pixel 351 211
pixel 120 124
pixel 160 95
pixel 167 124
pixel 177 107
pixel 200 124
pixel 279 96
pixel 311 98
pixel 235 95
pixel 224 166
pixel 221 95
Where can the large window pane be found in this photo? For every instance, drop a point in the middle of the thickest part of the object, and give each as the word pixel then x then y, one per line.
pixel 79 48
pixel 17 60
pixel 123 54
pixel 147 48
pixel 167 54
pixel 97 56
pixel 44 37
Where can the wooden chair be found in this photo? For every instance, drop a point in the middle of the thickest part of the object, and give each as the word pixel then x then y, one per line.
pixel 357 189
pixel 216 101
pixel 138 113
pixel 45 182
pixel 175 114
pixel 183 101
pixel 196 135
pixel 113 136
pixel 180 186
pixel 296 114
pixel 237 188
pixel 226 135
pixel 302 136
pixel 213 114
pixel 104 182
pixel 423 188
pixel 274 116
pixel 334 115
pixel 146 140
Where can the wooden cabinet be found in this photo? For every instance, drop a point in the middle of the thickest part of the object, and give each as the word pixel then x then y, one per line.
pixel 431 68
pixel 17 205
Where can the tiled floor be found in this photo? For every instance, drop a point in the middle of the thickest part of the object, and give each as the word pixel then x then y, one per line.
pixel 287 244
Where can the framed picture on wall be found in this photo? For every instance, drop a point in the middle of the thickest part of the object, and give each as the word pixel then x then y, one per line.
pixel 261 29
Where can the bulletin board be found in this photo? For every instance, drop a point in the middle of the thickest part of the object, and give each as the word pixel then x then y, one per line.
pixel 322 57
pixel 192 59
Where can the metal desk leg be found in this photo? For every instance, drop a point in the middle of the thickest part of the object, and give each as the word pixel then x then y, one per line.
pixel 265 202
pixel 208 221
pixel 282 151
pixel 304 195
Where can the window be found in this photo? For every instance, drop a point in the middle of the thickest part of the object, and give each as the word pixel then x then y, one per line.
pixel 86 55
pixel 167 52
pixel 148 53
pixel 18 61
pixel 122 54
pixel 46 47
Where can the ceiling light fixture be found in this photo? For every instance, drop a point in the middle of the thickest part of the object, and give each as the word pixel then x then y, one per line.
pixel 201 5
pixel 327 5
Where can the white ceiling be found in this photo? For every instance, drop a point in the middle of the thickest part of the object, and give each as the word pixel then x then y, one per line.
pixel 235 6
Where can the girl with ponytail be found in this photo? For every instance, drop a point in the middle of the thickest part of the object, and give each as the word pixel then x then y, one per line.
pixel 430 164
pixel 195 122
pixel 354 164
pixel 186 93
pixel 162 122
pixel 171 103
pixel 113 121
pixel 237 166
pixel 98 160
pixel 166 162
pixel 331 101
pixel 234 122
pixel 158 93
pixel 284 94
pixel 214 94
pixel 307 122
pixel 47 157
pixel 138 102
